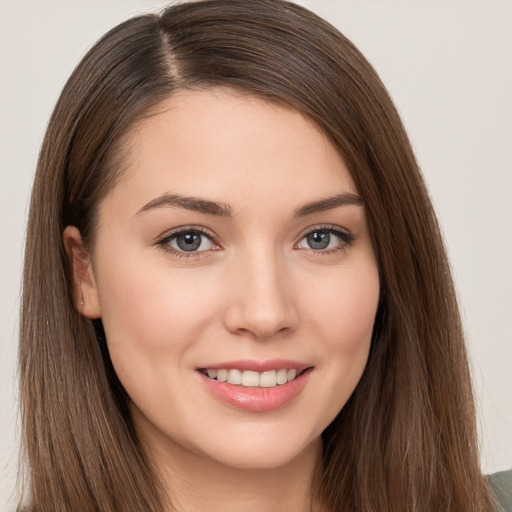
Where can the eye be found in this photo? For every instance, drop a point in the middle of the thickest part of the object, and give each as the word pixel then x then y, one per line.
pixel 188 241
pixel 325 239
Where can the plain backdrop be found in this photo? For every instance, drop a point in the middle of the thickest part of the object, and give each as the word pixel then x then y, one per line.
pixel 448 66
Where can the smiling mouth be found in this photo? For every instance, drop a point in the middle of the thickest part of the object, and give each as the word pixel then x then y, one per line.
pixel 248 378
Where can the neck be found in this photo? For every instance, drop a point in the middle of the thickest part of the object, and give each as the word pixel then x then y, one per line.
pixel 194 483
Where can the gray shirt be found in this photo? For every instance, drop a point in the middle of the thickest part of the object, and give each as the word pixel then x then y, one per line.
pixel 501 485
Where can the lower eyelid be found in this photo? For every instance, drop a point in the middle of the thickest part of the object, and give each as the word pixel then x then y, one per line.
pixel 164 242
pixel 345 239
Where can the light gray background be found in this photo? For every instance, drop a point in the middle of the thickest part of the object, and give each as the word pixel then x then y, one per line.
pixel 448 65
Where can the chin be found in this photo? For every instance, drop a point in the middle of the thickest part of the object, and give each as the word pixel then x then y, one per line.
pixel 260 453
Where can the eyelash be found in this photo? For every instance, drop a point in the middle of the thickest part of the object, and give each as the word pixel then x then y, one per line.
pixel 346 240
pixel 164 242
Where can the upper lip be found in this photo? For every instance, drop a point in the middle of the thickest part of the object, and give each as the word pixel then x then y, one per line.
pixel 258 366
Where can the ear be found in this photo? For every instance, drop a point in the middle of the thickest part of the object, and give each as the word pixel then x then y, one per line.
pixel 85 290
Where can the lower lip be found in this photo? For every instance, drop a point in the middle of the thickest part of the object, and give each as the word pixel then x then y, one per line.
pixel 257 399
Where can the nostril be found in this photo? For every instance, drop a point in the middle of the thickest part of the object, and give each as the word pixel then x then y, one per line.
pixel 260 304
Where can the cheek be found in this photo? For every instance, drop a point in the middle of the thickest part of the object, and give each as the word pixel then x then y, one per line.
pixel 344 308
pixel 144 306
pixel 152 317
pixel 353 315
pixel 343 317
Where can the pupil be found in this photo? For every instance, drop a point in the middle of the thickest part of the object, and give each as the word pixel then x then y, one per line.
pixel 319 240
pixel 189 241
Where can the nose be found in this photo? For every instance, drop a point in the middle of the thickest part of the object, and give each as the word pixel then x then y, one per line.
pixel 261 302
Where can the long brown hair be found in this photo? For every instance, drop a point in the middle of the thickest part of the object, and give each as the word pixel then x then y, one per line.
pixel 406 440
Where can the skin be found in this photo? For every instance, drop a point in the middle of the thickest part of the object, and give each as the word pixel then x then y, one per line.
pixel 257 291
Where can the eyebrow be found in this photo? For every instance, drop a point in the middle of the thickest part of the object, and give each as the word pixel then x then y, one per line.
pixel 188 203
pixel 345 199
pixel 224 210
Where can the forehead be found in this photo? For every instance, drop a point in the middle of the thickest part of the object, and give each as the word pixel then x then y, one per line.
pixel 228 146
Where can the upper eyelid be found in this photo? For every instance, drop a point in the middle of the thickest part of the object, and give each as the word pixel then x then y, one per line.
pixel 164 242
pixel 344 235
pixel 206 232
pixel 325 227
pixel 183 229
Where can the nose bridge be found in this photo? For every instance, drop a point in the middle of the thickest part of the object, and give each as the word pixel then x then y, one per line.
pixel 262 303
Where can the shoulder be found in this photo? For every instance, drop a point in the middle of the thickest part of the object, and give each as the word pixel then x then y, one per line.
pixel 501 485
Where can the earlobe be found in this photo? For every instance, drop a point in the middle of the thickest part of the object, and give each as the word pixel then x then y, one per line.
pixel 85 291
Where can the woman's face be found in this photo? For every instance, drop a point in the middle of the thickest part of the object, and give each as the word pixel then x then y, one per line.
pixel 234 247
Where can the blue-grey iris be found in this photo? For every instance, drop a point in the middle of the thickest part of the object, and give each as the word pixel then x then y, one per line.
pixel 319 240
pixel 189 241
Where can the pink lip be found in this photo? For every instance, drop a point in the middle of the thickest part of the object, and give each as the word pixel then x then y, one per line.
pixel 257 399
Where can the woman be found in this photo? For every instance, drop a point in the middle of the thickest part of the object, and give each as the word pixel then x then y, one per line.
pixel 238 282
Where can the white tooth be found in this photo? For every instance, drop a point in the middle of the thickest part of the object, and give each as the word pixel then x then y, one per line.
pixel 211 373
pixel 222 375
pixel 282 376
pixel 250 379
pixel 291 374
pixel 268 379
pixel 234 376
